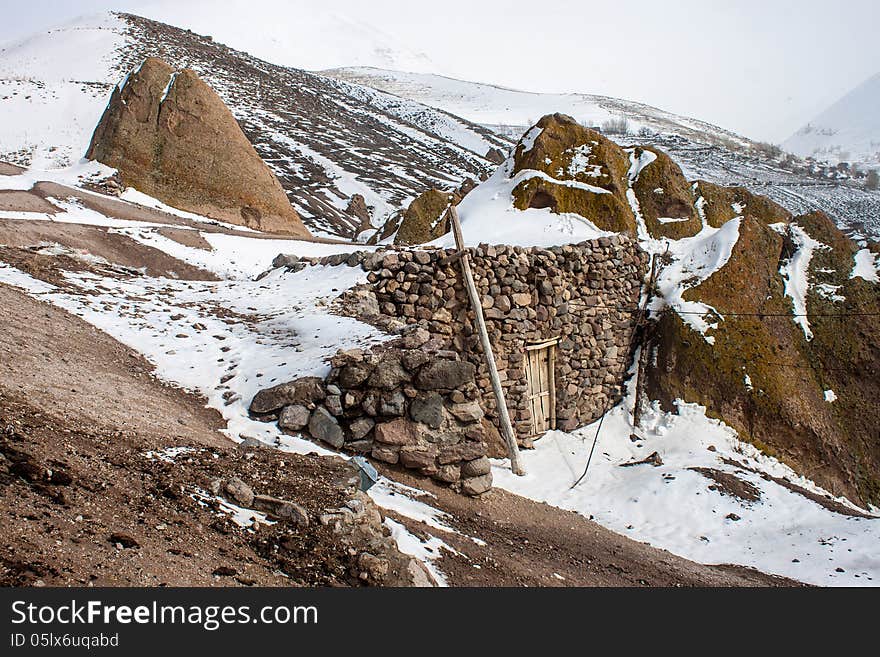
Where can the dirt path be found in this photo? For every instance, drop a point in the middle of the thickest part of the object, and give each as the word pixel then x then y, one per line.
pixel 533 544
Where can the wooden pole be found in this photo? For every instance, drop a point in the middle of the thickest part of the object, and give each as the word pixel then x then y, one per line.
pixel 643 352
pixel 506 428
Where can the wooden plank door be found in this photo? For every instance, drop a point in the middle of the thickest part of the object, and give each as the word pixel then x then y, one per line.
pixel 541 393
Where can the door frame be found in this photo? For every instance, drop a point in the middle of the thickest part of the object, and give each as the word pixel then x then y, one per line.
pixel 548 344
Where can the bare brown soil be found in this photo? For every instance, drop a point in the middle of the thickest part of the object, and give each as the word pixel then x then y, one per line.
pixel 98 241
pixel 7 169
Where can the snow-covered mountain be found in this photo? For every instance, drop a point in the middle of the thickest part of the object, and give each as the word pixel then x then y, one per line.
pixel 298 33
pixel 848 131
pixel 325 139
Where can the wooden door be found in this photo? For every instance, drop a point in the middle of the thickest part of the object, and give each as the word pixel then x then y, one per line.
pixel 541 386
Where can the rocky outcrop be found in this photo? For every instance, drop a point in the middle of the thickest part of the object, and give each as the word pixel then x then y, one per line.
pixel 764 378
pixel 571 169
pixel 426 218
pixel 721 204
pixel 171 137
pixel 665 197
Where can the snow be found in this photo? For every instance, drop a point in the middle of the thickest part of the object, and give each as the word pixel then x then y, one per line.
pixel 671 506
pixel 487 215
pixel 795 272
pixel 830 396
pixel 694 259
pixel 866 265
pixel 512 111
pixel 528 139
pixel 45 77
pixel 848 131
pixel 319 35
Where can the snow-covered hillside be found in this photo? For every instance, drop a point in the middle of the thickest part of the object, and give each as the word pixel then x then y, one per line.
pixel 704 151
pixel 848 131
pixel 314 36
pixel 325 139
pixel 512 111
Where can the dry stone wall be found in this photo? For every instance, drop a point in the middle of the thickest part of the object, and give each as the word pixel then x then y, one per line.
pixel 583 294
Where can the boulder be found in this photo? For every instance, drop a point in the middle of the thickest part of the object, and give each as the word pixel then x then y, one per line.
pixel 283 509
pixel 294 417
pixel 428 409
pixel 476 485
pixel 666 200
pixel 304 391
pixel 170 136
pixel 324 427
pixel 399 431
pixel 445 375
pixel 571 169
pixel 721 204
pixel 426 218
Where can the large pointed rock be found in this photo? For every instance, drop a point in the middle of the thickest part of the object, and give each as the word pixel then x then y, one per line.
pixel 170 136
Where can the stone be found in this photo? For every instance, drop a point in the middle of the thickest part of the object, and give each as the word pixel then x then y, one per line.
pixel 428 410
pixel 399 431
pixel 476 468
pixel 449 473
pixel 304 391
pixel 444 375
pixel 393 404
pixel 294 417
pixel 170 135
pixel 353 375
pixel 385 453
pixel 522 299
pixel 239 491
pixel 413 359
pixel 467 451
pixel 283 509
pixel 333 403
pixel 467 412
pixel 324 427
pixel 418 457
pixel 361 427
pixel 285 260
pixel 476 485
pixel 388 374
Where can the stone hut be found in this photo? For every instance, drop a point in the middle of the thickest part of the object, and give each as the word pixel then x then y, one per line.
pixel 560 320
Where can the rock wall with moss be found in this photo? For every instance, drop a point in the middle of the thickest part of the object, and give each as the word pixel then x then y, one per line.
pixel 763 376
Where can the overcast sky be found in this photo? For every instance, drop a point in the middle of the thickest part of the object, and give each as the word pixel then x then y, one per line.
pixel 759 67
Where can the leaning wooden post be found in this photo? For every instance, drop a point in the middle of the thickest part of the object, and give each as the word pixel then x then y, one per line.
pixel 506 428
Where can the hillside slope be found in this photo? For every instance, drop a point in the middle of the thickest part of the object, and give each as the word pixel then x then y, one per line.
pixel 704 151
pixel 326 140
pixel 848 131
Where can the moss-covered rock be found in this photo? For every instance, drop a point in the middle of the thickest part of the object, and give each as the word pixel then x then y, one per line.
pixel 426 218
pixel 666 198
pixel 566 152
pixel 721 204
pixel 781 406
